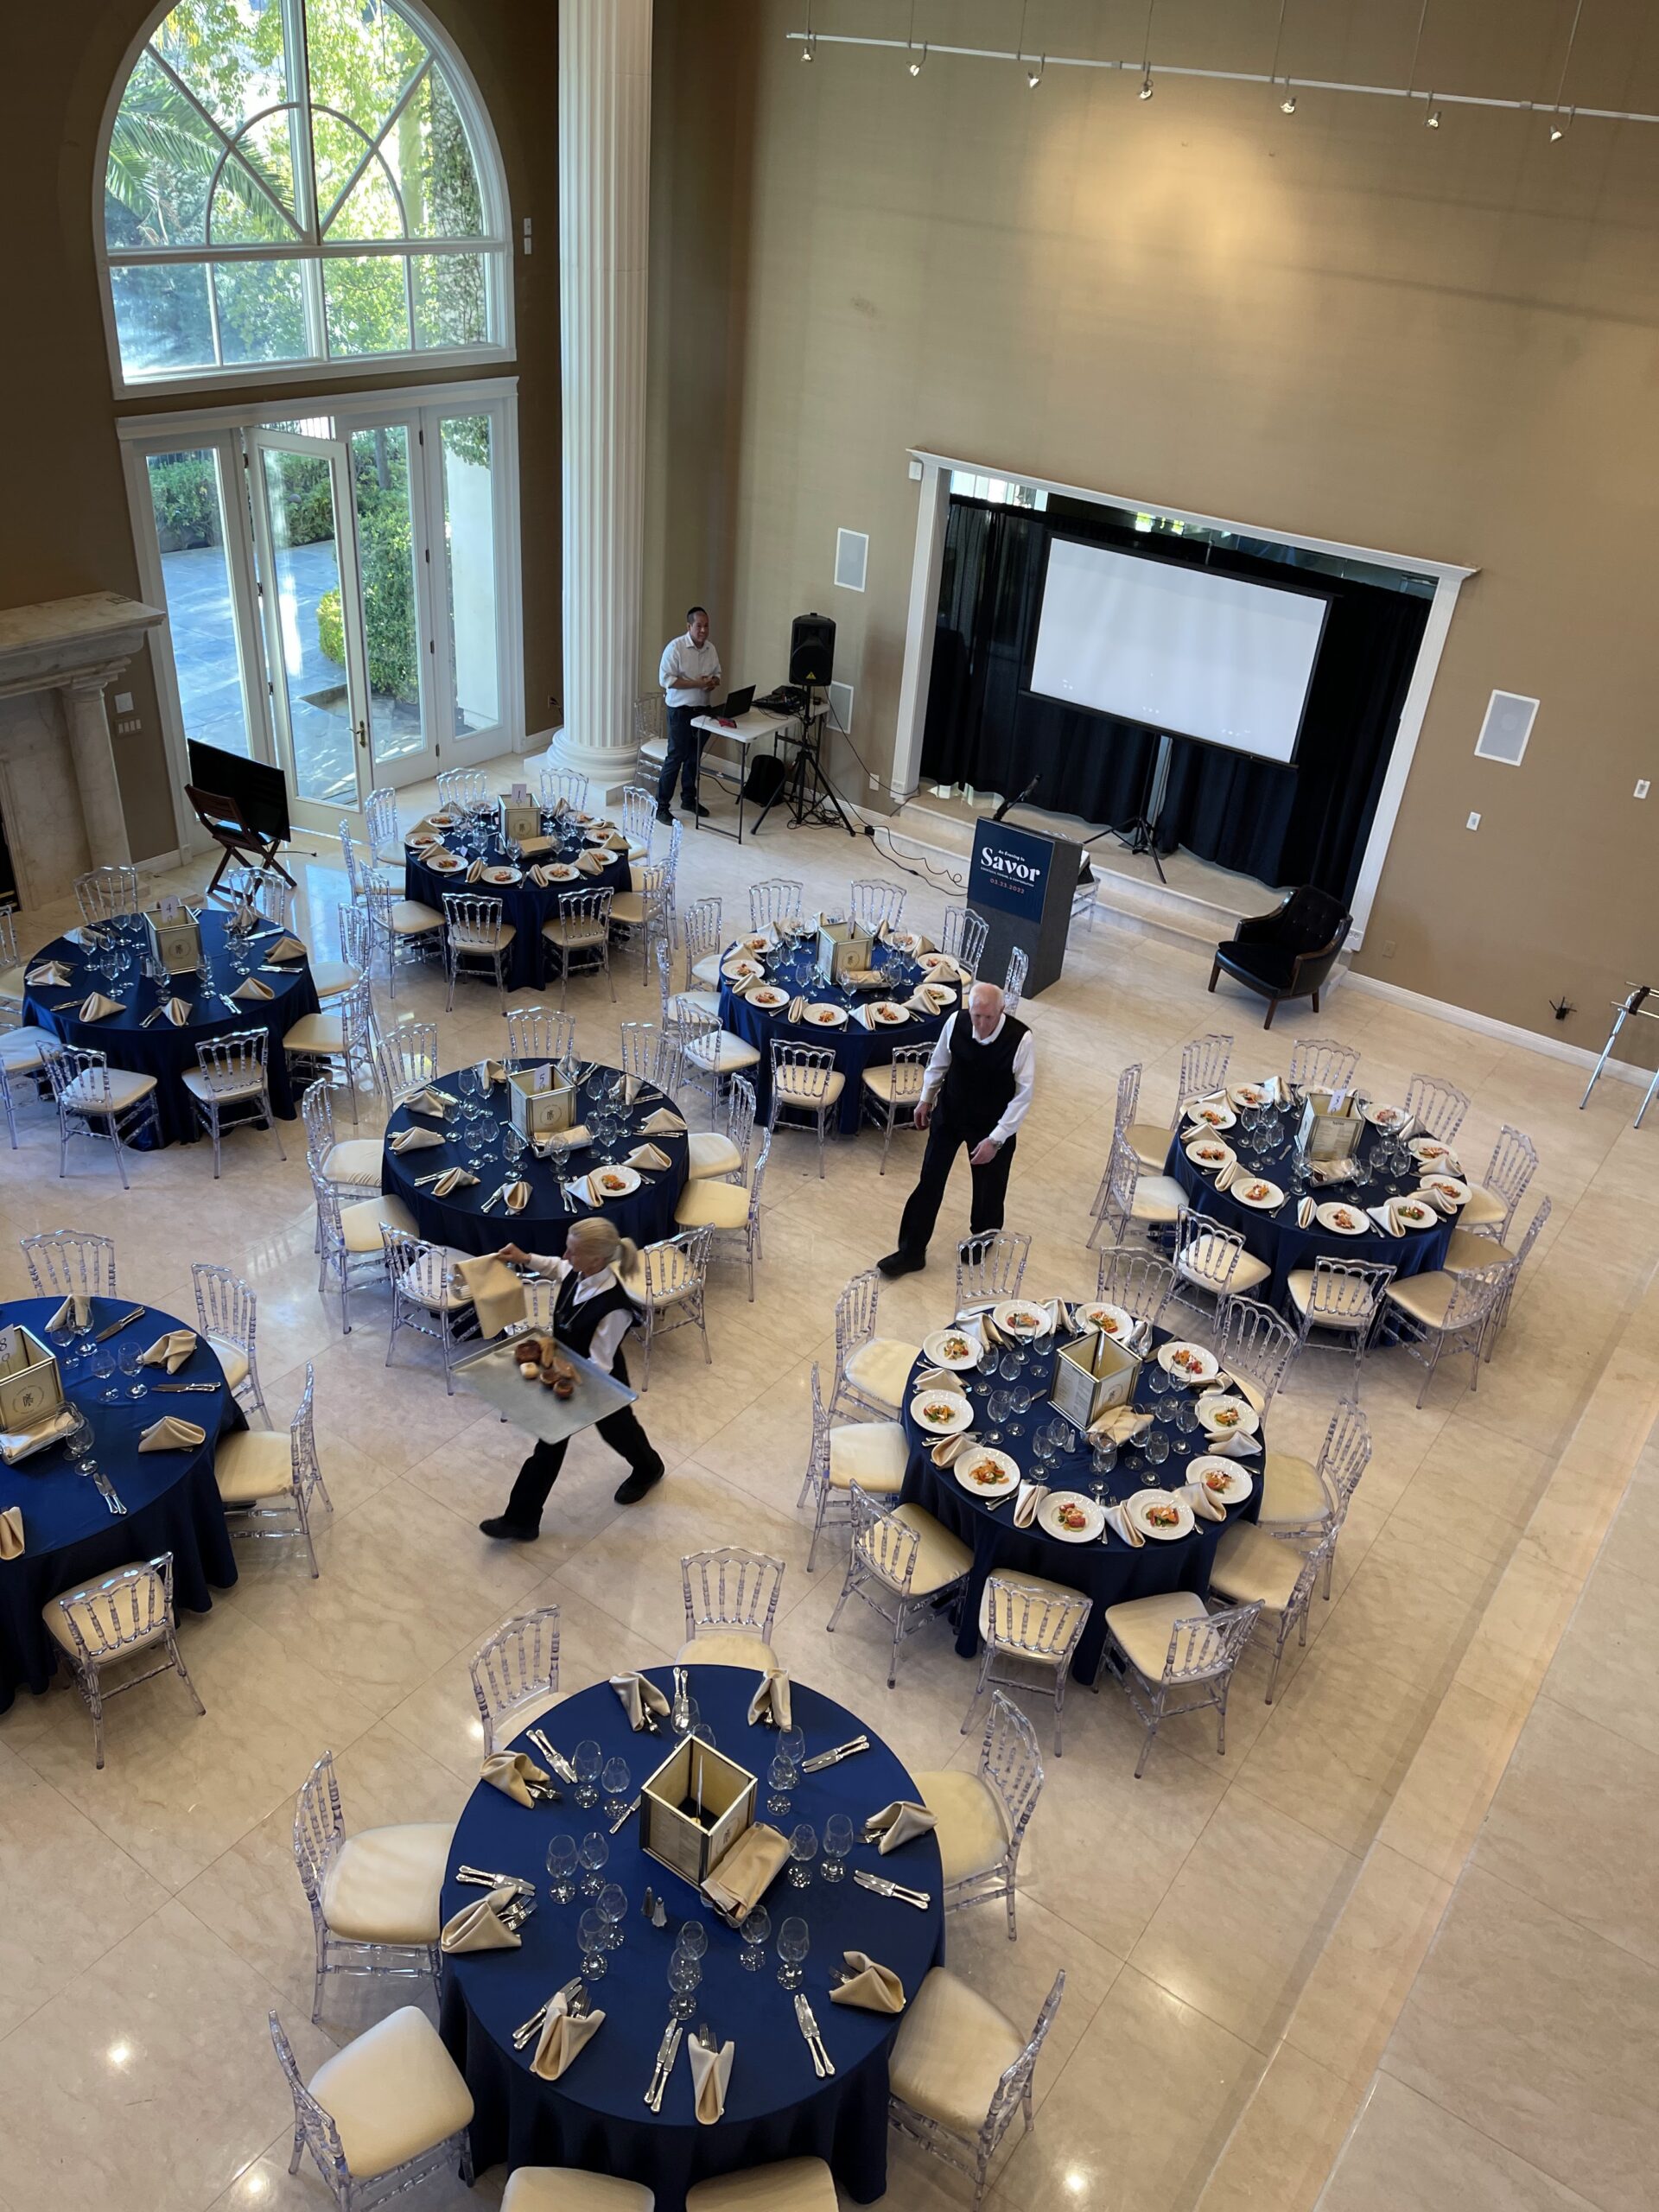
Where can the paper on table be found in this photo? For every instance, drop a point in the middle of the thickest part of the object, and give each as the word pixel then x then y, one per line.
pixel 640 1697
pixel 873 1987
pixel 648 1157
pixel 1029 1497
pixel 512 1772
pixel 562 2038
pixel 479 1927
pixel 451 1180
pixel 413 1140
pixel 900 1823
pixel 74 1312
pixel 172 1434
pixel 1203 1502
pixel 252 989
pixel 11 1532
pixel 770 1703
pixel 661 1122
pixel 95 1006
pixel 710 2072
pixel 747 1873
pixel 18 1443
pixel 498 1294
pixel 171 1351
pixel 1118 1520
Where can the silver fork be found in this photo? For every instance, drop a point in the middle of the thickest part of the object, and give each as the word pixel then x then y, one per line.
pixel 819 2065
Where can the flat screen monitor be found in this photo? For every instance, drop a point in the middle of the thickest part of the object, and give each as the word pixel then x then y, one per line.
pixel 1181 650
pixel 261 792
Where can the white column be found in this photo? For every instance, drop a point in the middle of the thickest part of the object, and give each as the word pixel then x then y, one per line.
pixel 604 239
pixel 94 758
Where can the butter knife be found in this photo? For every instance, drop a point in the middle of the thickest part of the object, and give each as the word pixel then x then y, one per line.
pixel 526 2028
pixel 846 1751
pixel 624 1817
pixel 198 1388
pixel 807 2036
pixel 555 1758
pixel 125 1322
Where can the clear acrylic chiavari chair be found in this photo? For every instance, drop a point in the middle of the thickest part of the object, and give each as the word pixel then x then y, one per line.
pixel 70 1263
pixel 731 1606
pixel 1322 1064
pixel 477 941
pixel 580 929
pixel 516 1671
pixel 774 899
pixel 962 935
pixel 104 895
pixel 874 904
pixel 227 1315
pixel 230 1083
pixel 924 2104
pixel 543 1035
pixel 990 1267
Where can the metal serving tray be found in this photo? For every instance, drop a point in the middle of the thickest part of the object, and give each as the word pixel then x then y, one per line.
pixel 492 1375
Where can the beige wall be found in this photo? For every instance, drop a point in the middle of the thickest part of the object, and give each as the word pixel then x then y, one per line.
pixel 65 525
pixel 1340 324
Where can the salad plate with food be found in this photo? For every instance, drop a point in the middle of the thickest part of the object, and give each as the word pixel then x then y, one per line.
pixel 1188 1363
pixel 986 1474
pixel 759 942
pixel 953 1348
pixel 1157 1515
pixel 1222 1413
pixel 1258 1192
pixel 1212 1114
pixel 941 1413
pixel 1381 1115
pixel 741 968
pixel 1431 1154
pixel 1452 1188
pixel 1020 1316
pixel 821 1016
pixel 1226 1480
pixel 768 995
pixel 501 875
pixel 1415 1213
pixel 1111 1320
pixel 1211 1153
pixel 1251 1094
pixel 1343 1220
pixel 615 1182
pixel 886 1013
pixel 1072 1517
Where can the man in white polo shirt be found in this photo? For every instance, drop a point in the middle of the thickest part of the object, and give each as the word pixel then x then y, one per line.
pixel 690 672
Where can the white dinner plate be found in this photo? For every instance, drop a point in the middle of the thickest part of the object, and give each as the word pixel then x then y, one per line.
pixel 959 1363
pixel 1203 1366
pixel 1008 1472
pixel 1228 1482
pixel 1417 1213
pixel 1431 1154
pixel 1343 1220
pixel 821 1016
pixel 441 821
pixel 444 863
pixel 1450 1187
pixel 961 1415
pixel 1249 1093
pixel 1223 1413
pixel 1242 1186
pixel 761 941
pixel 1048 1517
pixel 768 996
pixel 887 1014
pixel 1381 1115
pixel 1211 1153
pixel 1213 1116
pixel 1140 1506
pixel 627 1177
pixel 501 875
pixel 742 969
pixel 1020 1316
pixel 1111 1320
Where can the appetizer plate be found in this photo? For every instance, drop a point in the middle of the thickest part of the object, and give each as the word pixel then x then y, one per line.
pixel 1158 1514
pixel 1110 1320
pixel 1249 1093
pixel 904 941
pixel 1223 1413
pixel 821 1016
pixel 1188 1363
pixel 1072 1517
pixel 501 875
pixel 616 1182
pixel 986 1474
pixel 741 969
pixel 443 821
pixel 1212 1116
pixel 1020 1316
pixel 1210 1153
pixel 561 871
pixel 1343 1220
pixel 950 1348
pixel 1429 1153
pixel 887 1014
pixel 1416 1213
pixel 761 941
pixel 1449 1188
pixel 941 1413
pixel 1381 1115
pixel 443 863
pixel 1256 1191
pixel 1227 1481
pixel 768 996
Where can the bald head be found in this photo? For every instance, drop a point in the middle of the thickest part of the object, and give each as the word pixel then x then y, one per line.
pixel 984 1009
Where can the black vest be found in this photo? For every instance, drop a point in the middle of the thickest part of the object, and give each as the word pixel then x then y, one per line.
pixel 575 1326
pixel 979 1082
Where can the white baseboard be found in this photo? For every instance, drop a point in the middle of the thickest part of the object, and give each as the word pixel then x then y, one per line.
pixel 1486 1024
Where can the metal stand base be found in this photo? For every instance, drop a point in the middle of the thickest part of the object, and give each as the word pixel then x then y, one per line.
pixel 1140 834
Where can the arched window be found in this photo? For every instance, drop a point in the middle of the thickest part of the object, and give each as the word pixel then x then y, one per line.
pixel 300 182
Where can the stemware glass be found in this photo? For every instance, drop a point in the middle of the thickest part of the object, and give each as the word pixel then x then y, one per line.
pixel 1103 1457
pixel 999 1406
pixel 586 1759
pixel 613 1780
pixel 781 1776
pixel 562 1868
pixel 684 1979
pixel 128 1360
pixel 1159 1383
pixel 692 1938
pixel 104 1372
pixel 1155 1445
pixel 837 1842
pixel 1011 1364
pixel 754 1930
pixel 794 1944
pixel 612 1906
pixel 590 1940
pixel 689 1715
pixel 802 1850
pixel 595 1850
pixel 792 1742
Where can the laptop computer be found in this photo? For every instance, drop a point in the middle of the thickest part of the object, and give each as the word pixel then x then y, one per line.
pixel 735 703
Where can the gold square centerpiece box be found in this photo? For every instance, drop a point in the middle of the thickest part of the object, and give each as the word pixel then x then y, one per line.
pixel 540 1101
pixel 174 939
pixel 521 819
pixel 31 1389
pixel 1092 1374
pixel 843 947
pixel 694 1808
pixel 1331 1126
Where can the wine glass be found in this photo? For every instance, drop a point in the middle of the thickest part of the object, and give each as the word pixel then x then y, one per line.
pixel 792 1742
pixel 128 1360
pixel 612 1905
pixel 562 1868
pixel 590 1939
pixel 684 1979
pixel 781 1776
pixel 754 1930
pixel 104 1372
pixel 595 1850
pixel 1103 1457
pixel 1011 1364
pixel 687 1714
pixel 794 1944
pixel 613 1780
pixel 693 1938
pixel 1155 1445
pixel 999 1406
pixel 837 1842
pixel 586 1759
pixel 802 1850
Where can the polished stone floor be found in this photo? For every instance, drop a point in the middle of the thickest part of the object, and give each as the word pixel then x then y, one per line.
pixel 1224 1923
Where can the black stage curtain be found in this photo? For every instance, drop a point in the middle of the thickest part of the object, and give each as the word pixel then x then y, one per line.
pixel 1305 824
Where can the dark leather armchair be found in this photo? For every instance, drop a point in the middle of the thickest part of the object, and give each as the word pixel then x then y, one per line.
pixel 1288 953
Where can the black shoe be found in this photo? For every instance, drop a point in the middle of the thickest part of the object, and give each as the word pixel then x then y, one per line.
pixel 631 1491
pixel 690 806
pixel 903 1263
pixel 663 814
pixel 509 1531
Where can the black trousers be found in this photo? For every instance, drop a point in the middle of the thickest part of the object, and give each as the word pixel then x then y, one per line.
pixel 684 751
pixel 620 1430
pixel 990 1186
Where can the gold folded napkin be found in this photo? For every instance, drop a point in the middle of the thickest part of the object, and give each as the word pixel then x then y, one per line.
pixel 493 1072
pixel 498 1294
pixel 413 1140
pixel 900 1823
pixel 515 1196
pixel 949 1449
pixel 475 873
pixel 591 863
pixel 937 1378
pixel 1387 1218
pixel 1305 1210
pixel 617 841
pixel 873 1988
pixel 747 1873
pixel 994 1337
pixel 479 1927
pixel 582 1193
pixel 571 1139
pixel 1120 1425
pixel 74 1312
pixel 797 1009
pixel 451 1180
pixel 170 1351
pixel 1204 1504
pixel 1235 1447
pixel 1118 1520
pixel 11 1532
pixel 528 845
pixel 512 1772
pixel 1228 1175
pixel 286 948
pixel 49 971
pixel 865 979
pixel 18 1443
pixel 770 1703
pixel 648 1157
pixel 1438 1199
pixel 177 1011
pixel 172 1434
pixel 96 1007
pixel 1029 1496
pixel 710 2072
pixel 640 1697
pixel 426 1100
pixel 540 877
pixel 252 989
pixel 662 1123
pixel 562 2038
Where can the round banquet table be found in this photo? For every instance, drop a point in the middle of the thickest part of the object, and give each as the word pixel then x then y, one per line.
pixel 646 1215
pixel 70 1536
pixel 792 967
pixel 1276 1237
pixel 776 2107
pixel 157 1047
pixel 524 904
pixel 1107 1570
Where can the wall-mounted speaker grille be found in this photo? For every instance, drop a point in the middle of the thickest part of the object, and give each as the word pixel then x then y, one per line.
pixel 840 708
pixel 852 558
pixel 1508 726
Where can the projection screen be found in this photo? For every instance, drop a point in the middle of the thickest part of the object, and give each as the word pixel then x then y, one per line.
pixel 1182 650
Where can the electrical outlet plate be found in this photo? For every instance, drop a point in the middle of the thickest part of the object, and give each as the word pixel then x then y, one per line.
pixel 1473 822
pixel 1643 788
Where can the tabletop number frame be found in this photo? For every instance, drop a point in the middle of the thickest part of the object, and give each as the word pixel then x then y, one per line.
pixel 1092 1374
pixel 31 1385
pixel 695 1775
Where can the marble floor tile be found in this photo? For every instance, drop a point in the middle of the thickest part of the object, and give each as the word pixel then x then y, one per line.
pixel 1406 2149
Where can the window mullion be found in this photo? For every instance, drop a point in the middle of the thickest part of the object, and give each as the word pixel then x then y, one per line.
pixel 305 178
pixel 375 143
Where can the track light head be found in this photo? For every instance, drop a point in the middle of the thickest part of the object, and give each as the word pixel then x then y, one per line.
pixel 917 61
pixel 1431 120
pixel 1035 73
pixel 1146 86
pixel 1288 105
pixel 811 46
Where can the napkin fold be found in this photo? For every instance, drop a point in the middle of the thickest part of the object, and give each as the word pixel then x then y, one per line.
pixel 176 1010
pixel 11 1532
pixel 95 1006
pixel 475 872
pixel 252 989
pixel 1235 1447
pixel 1305 1210
pixel 737 1884
pixel 49 972
pixel 172 1434
pixel 571 1139
pixel 1029 1496
pixel 498 1294
pixel 1120 1425
pixel 873 1987
pixel 479 1927
pixel 170 1350
pixel 900 1823
pixel 426 1100
pixel 770 1704
pixel 640 1697
pixel 650 1158
pixel 451 1180
pixel 286 948
pixel 937 1378
pixel 74 1312
pixel 18 1443
pixel 1441 1203
pixel 590 864
pixel 562 2039
pixel 1387 1217
pixel 1118 1520
pixel 662 1122
pixel 994 1337
pixel 413 1140
pixel 515 1196
pixel 1203 1504
pixel 528 845
pixel 711 2070
pixel 949 1449
pixel 493 1072
pixel 1227 1175
pixel 511 1772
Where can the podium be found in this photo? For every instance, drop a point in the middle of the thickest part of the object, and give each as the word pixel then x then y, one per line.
pixel 1022 883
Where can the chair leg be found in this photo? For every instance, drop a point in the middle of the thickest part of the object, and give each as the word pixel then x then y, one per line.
pixel 1214 974
pixel 1273 1008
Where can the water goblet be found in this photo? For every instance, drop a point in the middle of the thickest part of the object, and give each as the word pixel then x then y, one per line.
pixel 1103 1457
pixel 593 1851
pixel 794 1944
pixel 1187 1416
pixel 612 1906
pixel 128 1360
pixel 754 1930
pixel 1021 1400
pixel 562 1868
pixel 684 1718
pixel 1000 1405
pixel 802 1850
pixel 586 1759
pixel 693 1938
pixel 837 1842
pixel 781 1776
pixel 613 1780
pixel 1159 1383
pixel 792 1742
pixel 1156 1447
pixel 1010 1365
pixel 590 1941
pixel 104 1372
pixel 684 1979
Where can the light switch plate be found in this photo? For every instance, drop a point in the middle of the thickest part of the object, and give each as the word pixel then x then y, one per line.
pixel 124 702
pixel 1643 788
pixel 1473 822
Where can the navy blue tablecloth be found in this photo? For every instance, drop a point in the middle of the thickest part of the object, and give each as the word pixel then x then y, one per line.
pixel 855 1047
pixel 1276 1238
pixel 646 1215
pixel 168 1053
pixel 524 904
pixel 776 2107
pixel 1109 1572
pixel 70 1536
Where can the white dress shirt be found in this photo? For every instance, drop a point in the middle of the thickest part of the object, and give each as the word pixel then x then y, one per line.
pixel 1024 1077
pixel 682 660
pixel 612 1329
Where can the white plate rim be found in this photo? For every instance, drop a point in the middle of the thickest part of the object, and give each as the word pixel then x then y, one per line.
pixel 1209 1167
pixel 1003 1459
pixel 1006 1305
pixel 768 1004
pixel 926 1426
pixel 892 1006
pixel 1256 1205
pixel 1185 1344
pixel 939 1359
pixel 620 1168
pixel 1197 1117
pixel 1088 1305
pixel 1097 1514
pixel 1248 1425
pixel 1141 1499
pixel 1373 1107
pixel 1367 1228
pixel 1435 1217
pixel 1236 1468
pixel 1437 1176
pixel 822 1006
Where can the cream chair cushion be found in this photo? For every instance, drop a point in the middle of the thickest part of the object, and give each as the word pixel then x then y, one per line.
pixel 355 1160
pixel 1482 1206
pixel 317 1033
pixel 1345 1301
pixel 232 1360
pixel 253 1464
pixel 707 971
pixel 1468 1255
pixel 1149 1142
pixel 360 1225
pixel 247 1086
pixel 384 1885
pixel 628 907
pixel 940 1557
pixel 23 1049
pixel 684 1003
pixel 727 1054
pixel 971 1835
pixel 712 1155
pixel 728 1647
pixel 567 2189
pixel 484 942
pixel 881 1369
pixel 871 1454
pixel 792 2185
pixel 721 1205
pixel 1425 1296
pixel 877 1081
pixel 1214 1264
pixel 88 1094
pixel 13 982
pixel 808 1087
pixel 1142 1627
pixel 953 2049
pixel 331 977
pixel 1158 1198
pixel 408 918
pixel 392 2094
pixel 1251 1566
pixel 1290 1497
pixel 93 1619
pixel 422 1280
pixel 573 932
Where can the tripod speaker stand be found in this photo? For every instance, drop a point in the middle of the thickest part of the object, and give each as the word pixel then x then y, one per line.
pixel 806 789
pixel 1139 834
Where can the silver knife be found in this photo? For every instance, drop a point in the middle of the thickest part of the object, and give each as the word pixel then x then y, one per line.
pixel 807 2036
pixel 555 1758
pixel 101 1481
pixel 125 1322
pixel 668 2066
pixel 815 1765
pixel 624 1817
pixel 526 2028
pixel 809 2021
pixel 919 1898
pixel 660 2060
pixel 186 1386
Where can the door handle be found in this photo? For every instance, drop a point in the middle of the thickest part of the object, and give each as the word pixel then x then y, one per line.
pixel 362 729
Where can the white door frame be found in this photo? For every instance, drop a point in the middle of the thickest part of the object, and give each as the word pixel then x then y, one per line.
pixel 933 508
